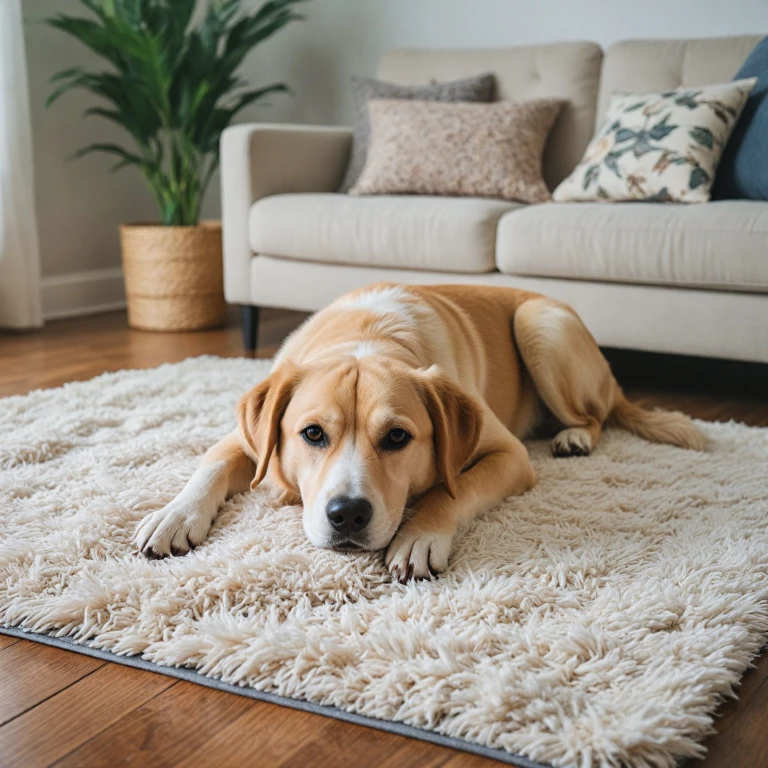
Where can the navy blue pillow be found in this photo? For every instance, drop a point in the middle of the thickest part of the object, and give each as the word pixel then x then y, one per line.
pixel 743 169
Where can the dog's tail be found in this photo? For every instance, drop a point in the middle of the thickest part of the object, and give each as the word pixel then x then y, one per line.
pixel 657 425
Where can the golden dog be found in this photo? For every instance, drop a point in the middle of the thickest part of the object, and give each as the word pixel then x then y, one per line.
pixel 410 402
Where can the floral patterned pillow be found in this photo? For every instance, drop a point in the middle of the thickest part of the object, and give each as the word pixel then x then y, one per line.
pixel 660 147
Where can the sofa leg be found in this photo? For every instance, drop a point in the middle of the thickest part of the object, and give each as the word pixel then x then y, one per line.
pixel 249 316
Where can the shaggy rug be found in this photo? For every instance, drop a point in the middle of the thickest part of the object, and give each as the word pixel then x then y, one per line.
pixel 596 621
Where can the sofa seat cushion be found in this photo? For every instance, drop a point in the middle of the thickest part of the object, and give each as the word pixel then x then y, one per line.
pixel 445 234
pixel 721 245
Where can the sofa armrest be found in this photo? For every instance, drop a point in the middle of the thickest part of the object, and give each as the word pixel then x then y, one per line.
pixel 270 159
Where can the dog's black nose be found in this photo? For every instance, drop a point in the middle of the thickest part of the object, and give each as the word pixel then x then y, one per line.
pixel 349 515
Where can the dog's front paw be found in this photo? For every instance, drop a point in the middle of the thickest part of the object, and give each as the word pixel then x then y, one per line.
pixel 174 529
pixel 417 554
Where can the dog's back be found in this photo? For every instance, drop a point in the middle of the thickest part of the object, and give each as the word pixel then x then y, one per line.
pixel 514 349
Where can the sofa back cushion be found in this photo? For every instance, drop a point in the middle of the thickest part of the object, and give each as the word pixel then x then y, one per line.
pixel 565 71
pixel 650 65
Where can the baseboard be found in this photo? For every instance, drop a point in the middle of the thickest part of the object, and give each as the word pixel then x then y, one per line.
pixel 82 293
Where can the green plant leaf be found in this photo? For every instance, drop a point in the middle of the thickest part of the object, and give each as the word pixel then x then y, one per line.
pixel 111 149
pixel 89 33
pixel 97 6
pixel 65 74
pixel 248 97
pixel 171 82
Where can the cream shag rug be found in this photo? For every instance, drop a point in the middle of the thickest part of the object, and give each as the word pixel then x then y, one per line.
pixel 597 620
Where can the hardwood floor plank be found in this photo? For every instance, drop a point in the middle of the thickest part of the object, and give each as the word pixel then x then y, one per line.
pixel 462 760
pixel 68 719
pixel 422 754
pixel 343 744
pixel 6 640
pixel 31 673
pixel 409 753
pixel 267 730
pixel 282 737
pixel 742 725
pixel 162 733
pixel 80 348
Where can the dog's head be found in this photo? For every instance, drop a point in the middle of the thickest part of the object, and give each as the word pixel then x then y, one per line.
pixel 356 439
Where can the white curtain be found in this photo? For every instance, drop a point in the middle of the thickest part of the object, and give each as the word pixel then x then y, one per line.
pixel 19 251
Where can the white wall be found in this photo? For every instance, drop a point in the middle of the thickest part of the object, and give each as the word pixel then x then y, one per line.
pixel 80 204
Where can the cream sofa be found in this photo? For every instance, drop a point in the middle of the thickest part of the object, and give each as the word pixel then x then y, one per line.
pixel 666 278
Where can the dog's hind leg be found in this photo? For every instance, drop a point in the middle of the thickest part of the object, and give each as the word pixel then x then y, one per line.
pixel 575 382
pixel 571 376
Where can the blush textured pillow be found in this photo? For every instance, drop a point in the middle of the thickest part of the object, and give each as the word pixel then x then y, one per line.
pixel 476 150
pixel 661 147
pixel 479 88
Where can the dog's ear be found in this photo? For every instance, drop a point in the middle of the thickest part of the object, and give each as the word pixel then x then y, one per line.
pixel 260 411
pixel 457 419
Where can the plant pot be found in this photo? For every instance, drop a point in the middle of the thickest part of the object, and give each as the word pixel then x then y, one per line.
pixel 173 276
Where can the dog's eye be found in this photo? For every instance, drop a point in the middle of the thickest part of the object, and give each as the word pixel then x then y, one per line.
pixel 395 439
pixel 313 434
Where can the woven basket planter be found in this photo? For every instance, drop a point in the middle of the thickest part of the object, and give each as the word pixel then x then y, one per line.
pixel 173 276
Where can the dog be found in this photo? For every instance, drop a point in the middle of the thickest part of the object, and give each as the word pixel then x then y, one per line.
pixel 398 412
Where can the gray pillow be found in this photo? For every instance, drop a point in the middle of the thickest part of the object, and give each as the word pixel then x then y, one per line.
pixel 479 89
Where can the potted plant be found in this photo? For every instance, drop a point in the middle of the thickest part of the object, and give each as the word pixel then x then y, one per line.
pixel 173 87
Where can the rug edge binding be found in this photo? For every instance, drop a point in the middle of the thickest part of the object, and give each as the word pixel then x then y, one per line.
pixel 191 676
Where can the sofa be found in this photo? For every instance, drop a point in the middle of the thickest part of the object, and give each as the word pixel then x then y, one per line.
pixel 670 278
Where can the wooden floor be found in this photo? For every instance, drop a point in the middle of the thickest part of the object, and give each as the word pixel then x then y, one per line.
pixel 64 709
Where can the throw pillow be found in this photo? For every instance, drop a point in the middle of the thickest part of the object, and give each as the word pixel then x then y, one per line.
pixel 658 146
pixel 479 150
pixel 479 88
pixel 743 170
